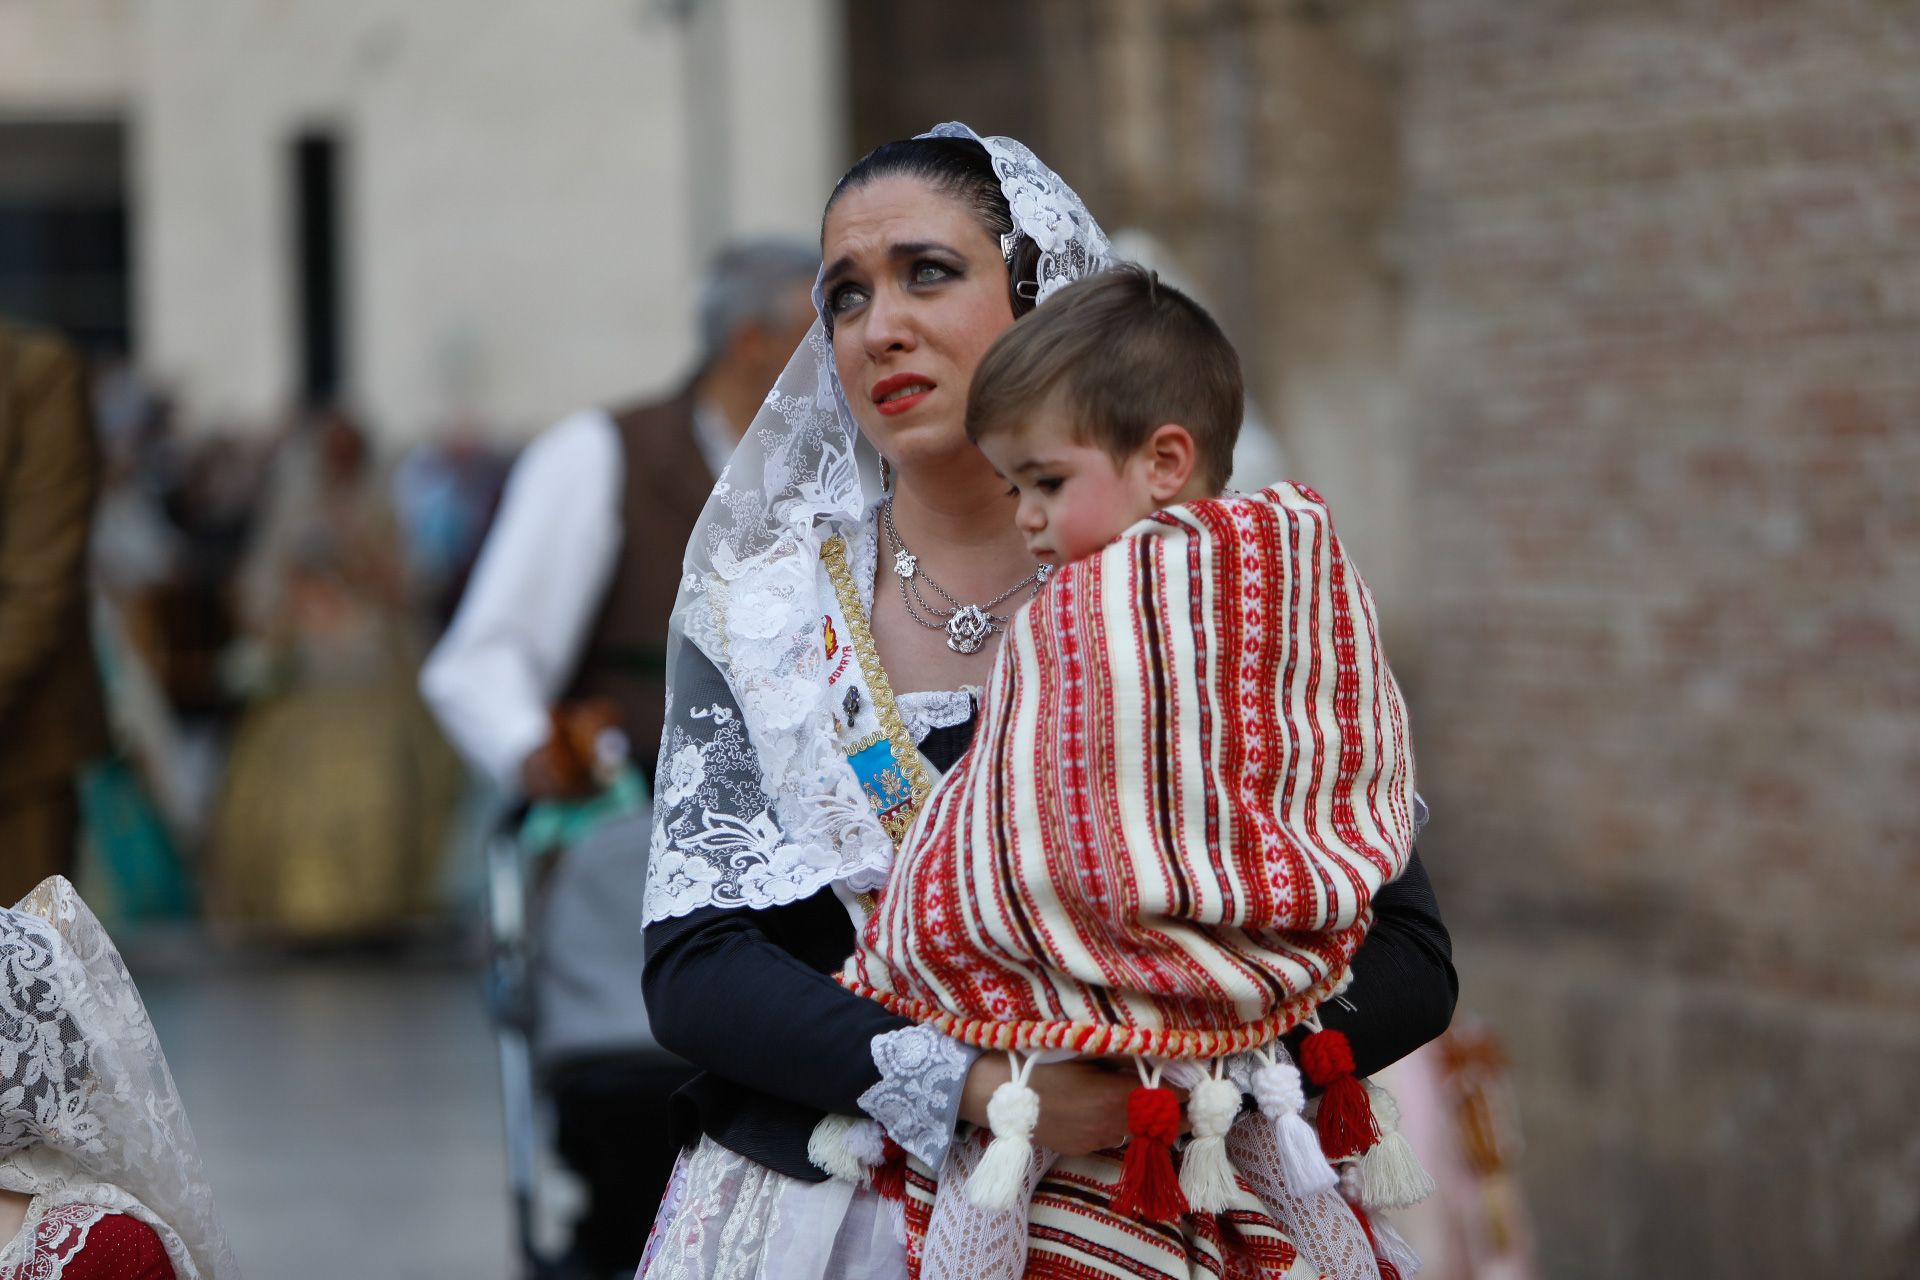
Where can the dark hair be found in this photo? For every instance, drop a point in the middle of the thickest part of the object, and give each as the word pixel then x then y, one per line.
pixel 961 168
pixel 1122 353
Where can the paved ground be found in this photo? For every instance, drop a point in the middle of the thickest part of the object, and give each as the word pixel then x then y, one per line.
pixel 348 1111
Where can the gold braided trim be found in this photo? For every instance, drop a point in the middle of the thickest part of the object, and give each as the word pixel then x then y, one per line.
pixel 905 753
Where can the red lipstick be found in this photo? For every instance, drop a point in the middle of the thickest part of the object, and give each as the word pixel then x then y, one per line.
pixel 894 383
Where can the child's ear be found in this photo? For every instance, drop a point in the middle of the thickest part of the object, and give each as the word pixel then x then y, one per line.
pixel 1170 458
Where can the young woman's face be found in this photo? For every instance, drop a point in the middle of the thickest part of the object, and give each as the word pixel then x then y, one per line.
pixel 917 291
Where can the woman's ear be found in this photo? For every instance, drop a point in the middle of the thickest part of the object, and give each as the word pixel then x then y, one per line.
pixel 1170 456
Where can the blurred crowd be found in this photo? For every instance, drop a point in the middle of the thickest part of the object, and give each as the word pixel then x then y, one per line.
pixel 262 597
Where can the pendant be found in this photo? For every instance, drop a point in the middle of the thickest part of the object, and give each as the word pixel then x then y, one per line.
pixel 968 629
pixel 1041 574
pixel 904 562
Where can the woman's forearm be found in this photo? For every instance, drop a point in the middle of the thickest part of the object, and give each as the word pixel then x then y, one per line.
pixel 724 995
pixel 1404 986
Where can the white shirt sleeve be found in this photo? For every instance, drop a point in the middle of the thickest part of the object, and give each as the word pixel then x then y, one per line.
pixel 532 598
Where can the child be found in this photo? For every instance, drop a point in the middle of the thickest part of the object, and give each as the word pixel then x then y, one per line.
pixel 1190 778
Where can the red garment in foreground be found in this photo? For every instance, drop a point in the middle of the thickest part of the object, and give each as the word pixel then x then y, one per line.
pixel 77 1242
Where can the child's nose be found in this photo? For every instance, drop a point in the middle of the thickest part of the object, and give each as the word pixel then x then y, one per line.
pixel 1029 517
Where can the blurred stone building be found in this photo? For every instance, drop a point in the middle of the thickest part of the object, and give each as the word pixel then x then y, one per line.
pixel 1600 327
pixel 430 208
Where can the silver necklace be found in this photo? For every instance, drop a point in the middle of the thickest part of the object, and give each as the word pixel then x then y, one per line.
pixel 967 625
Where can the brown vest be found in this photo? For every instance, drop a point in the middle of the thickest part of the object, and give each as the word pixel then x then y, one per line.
pixel 666 484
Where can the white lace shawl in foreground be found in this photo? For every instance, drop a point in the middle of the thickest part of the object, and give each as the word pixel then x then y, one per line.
pixel 756 803
pixel 89 1115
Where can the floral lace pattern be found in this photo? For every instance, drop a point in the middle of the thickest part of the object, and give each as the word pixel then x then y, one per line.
pixel 88 1110
pixel 918 1098
pixel 930 709
pixel 49 1240
pixel 760 806
pixel 1044 208
pixel 720 836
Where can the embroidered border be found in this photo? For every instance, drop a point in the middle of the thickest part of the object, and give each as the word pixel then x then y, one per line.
pixel 833 553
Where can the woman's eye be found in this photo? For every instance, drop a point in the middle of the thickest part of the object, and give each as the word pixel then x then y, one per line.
pixel 845 298
pixel 929 273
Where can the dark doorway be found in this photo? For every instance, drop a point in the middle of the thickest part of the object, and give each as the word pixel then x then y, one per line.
pixel 319 265
pixel 64 256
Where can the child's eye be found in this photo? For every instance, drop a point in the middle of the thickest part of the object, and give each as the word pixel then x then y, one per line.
pixel 1049 484
pixel 845 298
pixel 1013 491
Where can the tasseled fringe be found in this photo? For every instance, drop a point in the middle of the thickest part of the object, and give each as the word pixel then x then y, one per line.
pixel 890 1173
pixel 1391 1176
pixel 867 1142
pixel 1012 1113
pixel 1206 1174
pixel 1393 1251
pixel 1149 1188
pixel 1281 1098
pixel 1345 1120
pixel 840 1147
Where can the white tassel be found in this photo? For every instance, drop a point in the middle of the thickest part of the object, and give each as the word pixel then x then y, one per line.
pixel 836 1145
pixel 1390 1174
pixel 867 1142
pixel 1206 1174
pixel 1282 1098
pixel 1012 1113
pixel 1393 1248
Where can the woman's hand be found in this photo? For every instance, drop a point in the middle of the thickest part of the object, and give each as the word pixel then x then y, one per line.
pixel 1083 1103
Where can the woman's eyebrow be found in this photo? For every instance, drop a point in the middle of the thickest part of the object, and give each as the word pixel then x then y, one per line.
pixel 903 249
pixel 915 248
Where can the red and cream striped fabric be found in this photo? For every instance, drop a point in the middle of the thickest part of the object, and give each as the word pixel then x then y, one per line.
pixel 1191 776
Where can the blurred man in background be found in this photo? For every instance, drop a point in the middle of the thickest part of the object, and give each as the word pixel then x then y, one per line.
pixel 560 637
pixel 51 721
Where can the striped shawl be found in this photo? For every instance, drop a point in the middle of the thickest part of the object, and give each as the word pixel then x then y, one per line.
pixel 1191 775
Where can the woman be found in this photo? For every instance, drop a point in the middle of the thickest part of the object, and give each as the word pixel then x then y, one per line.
pixel 99 1176
pixel 827 646
pixel 339 787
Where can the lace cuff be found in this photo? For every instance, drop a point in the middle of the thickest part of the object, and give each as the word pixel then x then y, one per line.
pixel 918 1098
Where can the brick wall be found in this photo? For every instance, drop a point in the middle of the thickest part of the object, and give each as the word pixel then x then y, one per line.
pixel 1600 326
pixel 1663 329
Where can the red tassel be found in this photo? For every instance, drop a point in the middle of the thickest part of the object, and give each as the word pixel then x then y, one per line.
pixel 1345 1123
pixel 890 1175
pixel 1149 1188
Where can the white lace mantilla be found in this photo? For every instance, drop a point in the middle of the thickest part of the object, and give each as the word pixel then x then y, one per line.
pixel 756 803
pixel 90 1121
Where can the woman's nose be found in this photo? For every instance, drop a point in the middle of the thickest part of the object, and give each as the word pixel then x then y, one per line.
pixel 889 325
